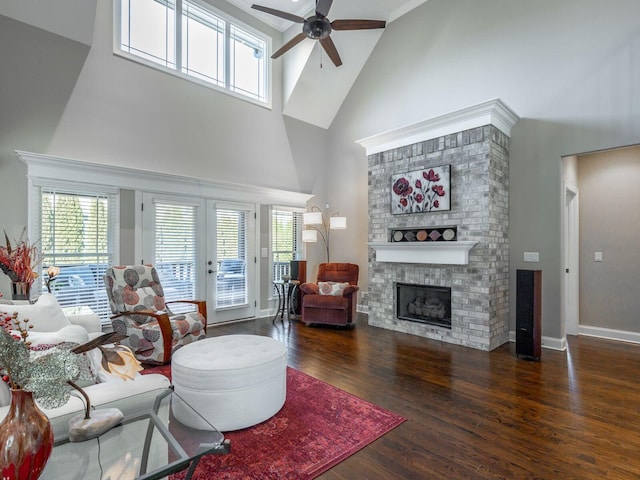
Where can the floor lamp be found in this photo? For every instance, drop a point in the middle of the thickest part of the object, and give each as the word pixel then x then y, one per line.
pixel 317 224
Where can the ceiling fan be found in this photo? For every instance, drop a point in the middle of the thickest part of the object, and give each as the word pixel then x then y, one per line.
pixel 318 27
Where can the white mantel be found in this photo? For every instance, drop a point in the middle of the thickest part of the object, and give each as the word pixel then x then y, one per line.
pixel 443 253
pixel 492 112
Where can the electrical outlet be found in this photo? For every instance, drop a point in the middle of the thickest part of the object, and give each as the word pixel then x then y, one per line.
pixel 365 295
pixel 531 256
pixel 597 256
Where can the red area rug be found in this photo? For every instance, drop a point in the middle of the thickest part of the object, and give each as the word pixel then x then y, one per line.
pixel 318 427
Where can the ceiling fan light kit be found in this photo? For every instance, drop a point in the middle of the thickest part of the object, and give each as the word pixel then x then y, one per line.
pixel 318 27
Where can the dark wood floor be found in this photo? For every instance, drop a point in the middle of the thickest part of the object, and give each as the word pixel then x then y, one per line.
pixel 473 414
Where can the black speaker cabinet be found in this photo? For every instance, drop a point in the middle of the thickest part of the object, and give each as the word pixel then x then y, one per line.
pixel 528 314
pixel 298 269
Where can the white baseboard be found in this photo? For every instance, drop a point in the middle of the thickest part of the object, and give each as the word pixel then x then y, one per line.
pixel 609 333
pixel 551 343
pixel 598 332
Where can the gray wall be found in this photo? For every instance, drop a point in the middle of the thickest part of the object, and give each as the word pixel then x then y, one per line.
pixel 61 97
pixel 609 223
pixel 122 113
pixel 38 71
pixel 569 69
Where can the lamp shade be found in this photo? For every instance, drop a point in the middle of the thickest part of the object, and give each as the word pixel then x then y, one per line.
pixel 309 236
pixel 312 218
pixel 338 223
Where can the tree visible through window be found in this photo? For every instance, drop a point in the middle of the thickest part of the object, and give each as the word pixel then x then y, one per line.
pixel 76 235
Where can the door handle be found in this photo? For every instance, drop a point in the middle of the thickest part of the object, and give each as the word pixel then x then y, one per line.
pixel 211 271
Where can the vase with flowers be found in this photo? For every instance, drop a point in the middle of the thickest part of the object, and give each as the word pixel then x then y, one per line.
pixel 26 436
pixel 18 262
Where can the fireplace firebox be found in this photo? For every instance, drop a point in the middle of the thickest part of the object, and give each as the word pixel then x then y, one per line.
pixel 424 304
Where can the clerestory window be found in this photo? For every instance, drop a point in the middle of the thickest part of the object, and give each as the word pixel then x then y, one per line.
pixel 193 40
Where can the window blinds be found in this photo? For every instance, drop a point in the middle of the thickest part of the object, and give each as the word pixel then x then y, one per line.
pixel 286 243
pixel 176 249
pixel 78 233
pixel 231 255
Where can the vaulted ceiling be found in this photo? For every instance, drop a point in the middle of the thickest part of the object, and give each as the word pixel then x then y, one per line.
pixel 314 88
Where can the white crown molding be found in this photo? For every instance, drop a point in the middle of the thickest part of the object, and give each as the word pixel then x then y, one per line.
pixel 64 169
pixel 492 112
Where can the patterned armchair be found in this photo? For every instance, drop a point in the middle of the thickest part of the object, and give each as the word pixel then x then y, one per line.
pixel 331 301
pixel 140 312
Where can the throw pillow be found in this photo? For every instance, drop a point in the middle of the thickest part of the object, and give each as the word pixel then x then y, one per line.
pixel 70 333
pixel 332 288
pixel 115 363
pixel 45 315
pixel 88 374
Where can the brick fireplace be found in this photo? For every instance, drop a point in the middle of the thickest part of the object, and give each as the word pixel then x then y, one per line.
pixel 473 263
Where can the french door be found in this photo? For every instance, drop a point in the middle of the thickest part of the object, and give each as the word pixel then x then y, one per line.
pixel 202 250
pixel 231 264
pixel 170 242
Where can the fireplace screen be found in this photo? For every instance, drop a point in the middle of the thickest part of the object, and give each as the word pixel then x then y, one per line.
pixel 424 304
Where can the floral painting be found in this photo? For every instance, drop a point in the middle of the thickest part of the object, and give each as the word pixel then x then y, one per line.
pixel 427 190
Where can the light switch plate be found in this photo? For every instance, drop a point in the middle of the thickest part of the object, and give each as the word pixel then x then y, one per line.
pixel 264 252
pixel 597 257
pixel 531 256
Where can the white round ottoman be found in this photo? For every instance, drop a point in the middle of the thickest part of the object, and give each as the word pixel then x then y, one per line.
pixel 233 381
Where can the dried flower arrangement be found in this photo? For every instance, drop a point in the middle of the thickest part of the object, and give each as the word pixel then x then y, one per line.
pixel 19 261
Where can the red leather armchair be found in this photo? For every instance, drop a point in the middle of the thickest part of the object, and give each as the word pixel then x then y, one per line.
pixel 338 308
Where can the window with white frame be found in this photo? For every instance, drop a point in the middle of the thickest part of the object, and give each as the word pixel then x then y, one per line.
pixel 286 240
pixel 78 230
pixel 175 250
pixel 192 39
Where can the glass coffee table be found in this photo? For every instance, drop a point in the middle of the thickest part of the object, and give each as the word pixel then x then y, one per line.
pixel 147 446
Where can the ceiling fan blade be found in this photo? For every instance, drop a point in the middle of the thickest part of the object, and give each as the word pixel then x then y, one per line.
pixel 279 13
pixel 289 45
pixel 357 24
pixel 323 7
pixel 331 50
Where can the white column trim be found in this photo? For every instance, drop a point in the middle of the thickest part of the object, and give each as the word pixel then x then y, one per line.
pixel 63 169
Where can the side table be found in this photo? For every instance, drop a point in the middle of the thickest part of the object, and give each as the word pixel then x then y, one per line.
pixel 285 292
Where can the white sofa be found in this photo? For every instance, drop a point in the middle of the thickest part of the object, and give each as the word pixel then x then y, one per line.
pixel 51 326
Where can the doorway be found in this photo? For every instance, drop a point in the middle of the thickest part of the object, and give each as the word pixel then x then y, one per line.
pixel 203 250
pixel 571 250
pixel 231 264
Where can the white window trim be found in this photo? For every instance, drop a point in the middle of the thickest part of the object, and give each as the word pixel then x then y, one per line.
pixel 104 176
pixel 109 177
pixel 283 208
pixel 35 183
pixel 34 199
pixel 117 34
